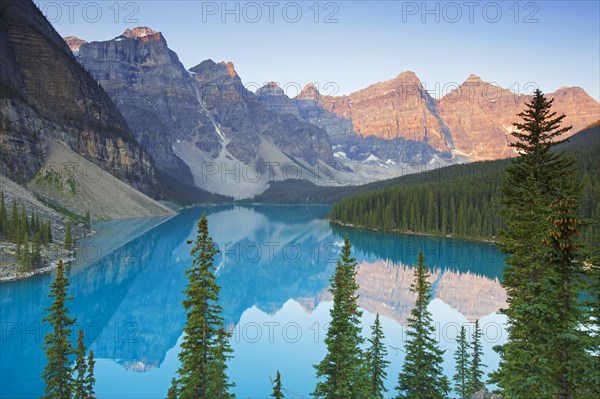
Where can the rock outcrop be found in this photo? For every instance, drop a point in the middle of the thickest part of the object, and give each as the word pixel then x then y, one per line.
pixel 45 93
pixel 474 120
pixel 398 120
pixel 74 43
pixel 153 91
pixel 485 394
pixel 205 116
pixel 296 138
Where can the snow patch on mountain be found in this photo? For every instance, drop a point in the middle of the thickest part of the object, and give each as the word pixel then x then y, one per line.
pixel 340 154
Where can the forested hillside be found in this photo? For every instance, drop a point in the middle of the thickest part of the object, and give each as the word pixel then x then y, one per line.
pixel 464 201
pixel 302 191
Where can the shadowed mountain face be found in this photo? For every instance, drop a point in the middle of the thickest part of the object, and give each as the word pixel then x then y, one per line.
pixel 152 89
pixel 348 143
pixel 191 119
pixel 45 93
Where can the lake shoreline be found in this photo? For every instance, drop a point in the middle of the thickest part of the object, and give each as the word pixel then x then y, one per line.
pixel 11 271
pixel 411 233
pixel 41 270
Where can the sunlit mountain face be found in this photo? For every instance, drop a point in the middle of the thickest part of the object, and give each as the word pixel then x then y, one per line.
pixel 274 270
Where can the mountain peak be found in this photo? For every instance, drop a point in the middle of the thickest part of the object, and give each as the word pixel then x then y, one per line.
pixel 270 89
pixel 272 84
pixel 408 76
pixel 310 87
pixel 208 69
pixel 143 33
pixel 571 90
pixel 74 42
pixel 472 78
pixel 309 92
pixel 230 68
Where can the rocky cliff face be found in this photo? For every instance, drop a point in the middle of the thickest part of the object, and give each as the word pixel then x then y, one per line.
pixel 397 108
pixel 347 142
pixel 74 43
pixel 480 115
pixel 153 91
pixel 581 109
pixel 398 120
pixel 201 119
pixel 473 120
pixel 302 141
pixel 46 93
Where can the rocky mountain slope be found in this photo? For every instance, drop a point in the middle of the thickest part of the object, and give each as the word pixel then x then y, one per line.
pixel 45 93
pixel 348 143
pixel 397 108
pixel 480 115
pixel 398 119
pixel 201 126
pixel 205 129
pixel 75 183
pixel 153 91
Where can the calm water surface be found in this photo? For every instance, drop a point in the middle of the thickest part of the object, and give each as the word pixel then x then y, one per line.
pixel 274 270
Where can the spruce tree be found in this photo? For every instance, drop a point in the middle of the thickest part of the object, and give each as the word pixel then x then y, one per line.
pixel 219 355
pixel 567 342
pixel 80 368
pixel 36 250
pixel 49 231
pixel 341 373
pixel 24 223
pixel 593 390
pixel 38 222
pixel 422 375
pixel 90 380
pixel 25 254
pixel 3 218
pixel 13 233
pixel 44 233
pixel 68 243
pixel 277 393
pixel 475 382
pixel 57 373
pixel 172 392
pixel 205 348
pixel 540 279
pixel 463 366
pixel 32 223
pixel 376 362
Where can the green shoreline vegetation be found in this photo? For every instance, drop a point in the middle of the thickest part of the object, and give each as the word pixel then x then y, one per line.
pixel 468 205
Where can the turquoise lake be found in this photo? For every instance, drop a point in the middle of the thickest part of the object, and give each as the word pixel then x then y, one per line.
pixel 274 270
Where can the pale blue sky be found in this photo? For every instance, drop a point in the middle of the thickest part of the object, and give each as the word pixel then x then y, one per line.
pixel 549 43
